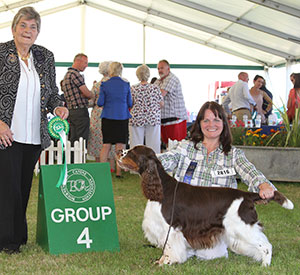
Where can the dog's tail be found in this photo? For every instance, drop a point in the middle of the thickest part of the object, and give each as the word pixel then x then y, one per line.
pixel 282 200
pixel 279 198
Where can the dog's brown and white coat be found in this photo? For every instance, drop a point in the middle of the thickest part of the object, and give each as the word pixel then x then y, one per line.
pixel 206 220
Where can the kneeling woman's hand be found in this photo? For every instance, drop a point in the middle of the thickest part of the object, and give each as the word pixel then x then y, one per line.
pixel 266 191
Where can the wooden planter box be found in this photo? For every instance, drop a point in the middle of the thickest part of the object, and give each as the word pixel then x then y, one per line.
pixel 276 163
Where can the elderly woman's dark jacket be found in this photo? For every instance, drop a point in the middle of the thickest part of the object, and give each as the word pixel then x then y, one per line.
pixel 9 81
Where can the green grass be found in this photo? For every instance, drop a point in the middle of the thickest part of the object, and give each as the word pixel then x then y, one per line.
pixel 282 227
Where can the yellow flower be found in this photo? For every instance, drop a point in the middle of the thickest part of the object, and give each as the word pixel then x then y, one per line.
pixel 257 131
pixel 256 135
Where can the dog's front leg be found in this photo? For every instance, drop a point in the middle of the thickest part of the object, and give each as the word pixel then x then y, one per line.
pixel 165 258
pixel 175 250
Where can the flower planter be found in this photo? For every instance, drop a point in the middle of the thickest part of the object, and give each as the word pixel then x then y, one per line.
pixel 276 163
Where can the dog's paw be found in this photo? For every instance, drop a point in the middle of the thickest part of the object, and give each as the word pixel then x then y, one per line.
pixel 164 259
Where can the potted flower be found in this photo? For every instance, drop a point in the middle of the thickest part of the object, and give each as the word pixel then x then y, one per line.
pixel 276 155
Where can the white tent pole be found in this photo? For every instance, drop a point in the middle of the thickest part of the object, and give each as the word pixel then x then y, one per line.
pixel 83 16
pixel 144 44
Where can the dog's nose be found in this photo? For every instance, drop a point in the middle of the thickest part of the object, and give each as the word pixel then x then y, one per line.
pixel 119 153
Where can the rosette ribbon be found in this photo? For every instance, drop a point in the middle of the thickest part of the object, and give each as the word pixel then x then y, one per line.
pixel 58 128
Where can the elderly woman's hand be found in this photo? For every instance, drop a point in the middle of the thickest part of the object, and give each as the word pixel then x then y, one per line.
pixel 266 191
pixel 62 112
pixel 6 135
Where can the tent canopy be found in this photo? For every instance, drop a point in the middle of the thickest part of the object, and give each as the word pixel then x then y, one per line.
pixel 265 32
pixel 204 40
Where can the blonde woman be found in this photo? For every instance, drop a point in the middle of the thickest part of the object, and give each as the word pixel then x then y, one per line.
pixel 115 98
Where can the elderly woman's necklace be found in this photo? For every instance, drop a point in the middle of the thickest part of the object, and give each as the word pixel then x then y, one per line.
pixel 24 58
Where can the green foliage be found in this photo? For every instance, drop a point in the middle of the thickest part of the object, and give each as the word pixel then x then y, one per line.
pixel 282 228
pixel 293 131
pixel 238 135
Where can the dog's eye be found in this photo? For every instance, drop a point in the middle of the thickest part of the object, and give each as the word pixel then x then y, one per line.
pixel 122 153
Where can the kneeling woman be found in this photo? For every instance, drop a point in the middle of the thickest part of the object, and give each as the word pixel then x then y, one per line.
pixel 209 159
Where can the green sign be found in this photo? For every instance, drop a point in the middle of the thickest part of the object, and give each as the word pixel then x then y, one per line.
pixel 79 216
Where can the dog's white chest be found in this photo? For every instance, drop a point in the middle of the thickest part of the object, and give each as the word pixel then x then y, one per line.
pixel 154 225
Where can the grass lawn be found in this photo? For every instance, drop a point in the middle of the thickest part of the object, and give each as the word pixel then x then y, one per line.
pixel 282 228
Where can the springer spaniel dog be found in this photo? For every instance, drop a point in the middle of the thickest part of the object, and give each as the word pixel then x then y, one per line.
pixel 205 220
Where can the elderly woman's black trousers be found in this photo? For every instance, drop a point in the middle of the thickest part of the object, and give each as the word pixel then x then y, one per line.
pixel 17 163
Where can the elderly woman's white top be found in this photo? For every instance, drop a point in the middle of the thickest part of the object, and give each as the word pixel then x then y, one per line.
pixel 27 118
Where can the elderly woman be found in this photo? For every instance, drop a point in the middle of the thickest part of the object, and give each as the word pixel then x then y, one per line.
pixel 145 122
pixel 115 98
pixel 95 138
pixel 27 92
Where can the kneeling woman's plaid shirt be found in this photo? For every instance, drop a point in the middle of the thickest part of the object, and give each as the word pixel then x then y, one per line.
pixel 179 158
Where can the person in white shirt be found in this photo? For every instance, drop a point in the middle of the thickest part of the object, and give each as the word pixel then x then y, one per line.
pixel 240 98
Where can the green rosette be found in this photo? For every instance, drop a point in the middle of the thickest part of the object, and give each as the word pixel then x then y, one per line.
pixel 58 128
pixel 57 125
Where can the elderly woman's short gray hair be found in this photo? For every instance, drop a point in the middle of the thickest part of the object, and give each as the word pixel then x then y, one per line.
pixel 28 13
pixel 143 72
pixel 103 67
pixel 115 69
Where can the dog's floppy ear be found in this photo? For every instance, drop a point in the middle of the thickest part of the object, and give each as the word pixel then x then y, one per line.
pixel 151 183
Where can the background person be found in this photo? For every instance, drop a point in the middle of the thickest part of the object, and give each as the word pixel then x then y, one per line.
pixel 294 97
pixel 267 100
pixel 173 113
pixel 76 95
pixel 145 122
pixel 292 78
pixel 95 137
pixel 25 97
pixel 115 98
pixel 240 98
pixel 259 96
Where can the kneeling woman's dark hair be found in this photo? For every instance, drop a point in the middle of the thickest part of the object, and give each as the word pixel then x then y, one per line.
pixel 225 137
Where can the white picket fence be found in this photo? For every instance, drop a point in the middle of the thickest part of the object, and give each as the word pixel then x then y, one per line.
pixel 53 154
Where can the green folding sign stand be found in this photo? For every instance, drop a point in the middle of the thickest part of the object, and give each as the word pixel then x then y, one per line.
pixel 79 216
